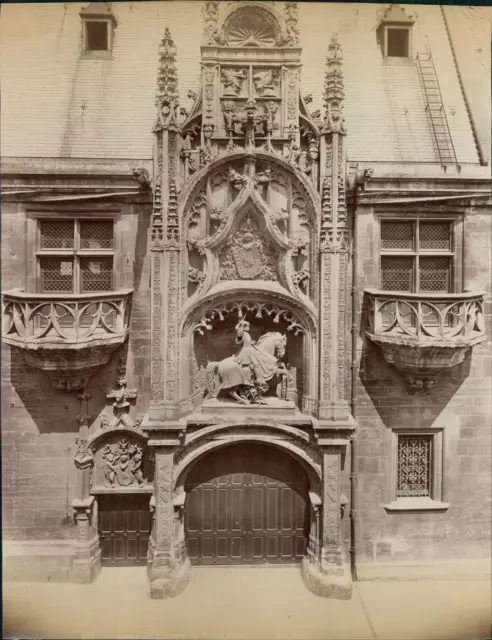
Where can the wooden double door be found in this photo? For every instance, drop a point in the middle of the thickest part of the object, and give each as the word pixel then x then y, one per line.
pixel 124 522
pixel 246 504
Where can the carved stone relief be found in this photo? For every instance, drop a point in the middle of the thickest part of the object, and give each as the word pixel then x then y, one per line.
pixel 122 464
pixel 247 255
pixel 266 82
pixel 233 81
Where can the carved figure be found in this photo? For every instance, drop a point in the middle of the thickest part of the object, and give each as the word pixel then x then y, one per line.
pixel 229 111
pixel 122 464
pixel 262 178
pixel 249 122
pixel 109 461
pixel 142 176
pixel 104 421
pixel 232 81
pixel 266 82
pixel 245 375
pixel 238 180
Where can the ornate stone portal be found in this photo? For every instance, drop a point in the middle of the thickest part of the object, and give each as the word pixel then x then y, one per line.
pixel 249 279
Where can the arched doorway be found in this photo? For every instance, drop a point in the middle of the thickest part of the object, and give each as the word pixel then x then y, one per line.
pixel 246 504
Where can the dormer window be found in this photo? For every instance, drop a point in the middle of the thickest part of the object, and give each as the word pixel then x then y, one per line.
pixel 397 42
pixel 97 37
pixel 98 23
pixel 394 33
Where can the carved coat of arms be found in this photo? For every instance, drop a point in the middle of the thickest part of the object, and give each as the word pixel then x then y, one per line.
pixel 247 256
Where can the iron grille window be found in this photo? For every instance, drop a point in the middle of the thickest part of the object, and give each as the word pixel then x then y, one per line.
pixel 416 256
pixel 414 470
pixel 75 256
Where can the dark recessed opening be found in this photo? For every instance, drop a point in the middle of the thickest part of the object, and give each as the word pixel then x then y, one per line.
pixel 97 36
pixel 398 40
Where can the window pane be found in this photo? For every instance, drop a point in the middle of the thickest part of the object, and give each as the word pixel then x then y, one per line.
pixel 414 466
pixel 397 235
pixel 396 274
pixel 97 36
pixel 96 235
pixel 57 234
pixel 434 274
pixel 96 274
pixel 434 235
pixel 56 274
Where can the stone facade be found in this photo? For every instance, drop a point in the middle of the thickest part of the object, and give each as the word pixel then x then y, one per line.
pixel 251 253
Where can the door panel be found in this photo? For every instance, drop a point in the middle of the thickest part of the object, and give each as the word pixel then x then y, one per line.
pixel 124 529
pixel 246 504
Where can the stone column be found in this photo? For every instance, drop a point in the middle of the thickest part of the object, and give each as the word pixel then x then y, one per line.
pixel 87 561
pixel 168 568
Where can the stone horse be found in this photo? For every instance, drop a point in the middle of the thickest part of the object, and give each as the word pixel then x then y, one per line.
pixel 248 383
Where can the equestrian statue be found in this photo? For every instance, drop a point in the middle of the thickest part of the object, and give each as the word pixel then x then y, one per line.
pixel 245 375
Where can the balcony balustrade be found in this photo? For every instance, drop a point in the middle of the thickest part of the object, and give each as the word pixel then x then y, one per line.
pixel 423 333
pixel 67 335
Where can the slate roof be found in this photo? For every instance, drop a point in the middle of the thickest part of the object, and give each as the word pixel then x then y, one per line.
pixel 55 104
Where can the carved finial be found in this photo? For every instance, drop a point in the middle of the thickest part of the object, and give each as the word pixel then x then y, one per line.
pixel 333 92
pixel 167 96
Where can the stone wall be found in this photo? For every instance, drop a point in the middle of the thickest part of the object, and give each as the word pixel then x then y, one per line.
pixel 40 423
pixel 459 404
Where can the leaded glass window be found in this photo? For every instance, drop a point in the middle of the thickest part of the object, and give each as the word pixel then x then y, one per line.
pixel 76 255
pixel 416 256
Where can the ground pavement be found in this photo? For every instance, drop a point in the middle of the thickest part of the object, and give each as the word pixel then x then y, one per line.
pixel 245 603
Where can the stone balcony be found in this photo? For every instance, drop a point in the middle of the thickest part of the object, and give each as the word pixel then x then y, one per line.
pixel 421 334
pixel 69 336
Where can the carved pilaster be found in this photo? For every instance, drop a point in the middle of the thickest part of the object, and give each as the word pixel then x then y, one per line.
pixel 87 560
pixel 168 568
pixel 334 246
pixel 331 551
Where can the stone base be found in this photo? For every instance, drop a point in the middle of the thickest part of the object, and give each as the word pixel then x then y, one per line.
pixel 326 585
pixel 37 561
pixel 85 571
pixel 169 585
pixel 273 407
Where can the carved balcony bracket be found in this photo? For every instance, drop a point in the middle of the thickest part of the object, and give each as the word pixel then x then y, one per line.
pixel 68 336
pixel 423 334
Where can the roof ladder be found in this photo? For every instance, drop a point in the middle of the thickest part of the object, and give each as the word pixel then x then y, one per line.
pixel 435 108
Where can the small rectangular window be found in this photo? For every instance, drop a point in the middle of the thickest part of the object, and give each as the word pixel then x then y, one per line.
pixel 97 35
pixel 414 466
pixel 397 44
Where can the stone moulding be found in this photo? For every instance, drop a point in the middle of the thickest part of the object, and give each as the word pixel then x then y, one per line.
pixel 69 336
pixel 421 334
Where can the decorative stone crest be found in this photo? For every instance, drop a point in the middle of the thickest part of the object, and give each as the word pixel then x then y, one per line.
pixel 167 96
pixel 247 256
